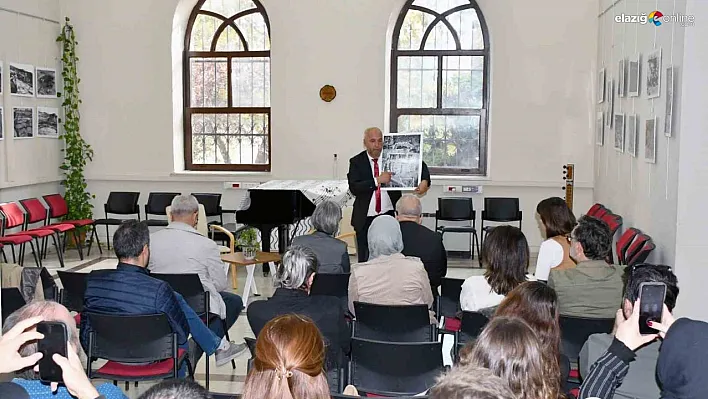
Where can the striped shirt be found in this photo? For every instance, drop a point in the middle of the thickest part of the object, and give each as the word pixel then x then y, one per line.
pixel 607 373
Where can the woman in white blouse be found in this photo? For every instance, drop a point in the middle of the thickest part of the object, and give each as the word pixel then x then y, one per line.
pixel 505 255
pixel 558 221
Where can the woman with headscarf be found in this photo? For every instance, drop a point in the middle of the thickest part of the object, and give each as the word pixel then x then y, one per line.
pixel 389 277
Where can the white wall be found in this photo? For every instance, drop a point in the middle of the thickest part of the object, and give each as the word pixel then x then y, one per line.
pixel 26 40
pixel 643 193
pixel 540 115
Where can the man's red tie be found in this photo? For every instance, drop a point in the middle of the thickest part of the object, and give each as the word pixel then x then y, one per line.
pixel 378 188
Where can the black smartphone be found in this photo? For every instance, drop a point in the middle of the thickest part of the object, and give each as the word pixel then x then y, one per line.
pixel 652 297
pixel 54 341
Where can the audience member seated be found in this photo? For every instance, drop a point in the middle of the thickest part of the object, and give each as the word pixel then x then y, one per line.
pixel 179 248
pixel 537 304
pixel 680 370
pixel 512 351
pixel 421 242
pixel 129 290
pixel 593 288
pixel 294 278
pixel 505 255
pixel 18 351
pixel 558 222
pixel 290 354
pixel 470 383
pixel 389 277
pixel 176 389
pixel 640 381
pixel 331 253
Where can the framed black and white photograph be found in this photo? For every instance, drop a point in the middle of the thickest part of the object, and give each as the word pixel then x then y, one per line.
pixel 46 83
pixel 670 84
pixel 47 122
pixel 2 82
pixel 601 86
pixel 402 155
pixel 23 122
pixel 633 78
pixel 631 135
pixel 619 132
pixel 2 124
pixel 21 80
pixel 650 140
pixel 621 80
pixel 600 129
pixel 654 74
pixel 610 102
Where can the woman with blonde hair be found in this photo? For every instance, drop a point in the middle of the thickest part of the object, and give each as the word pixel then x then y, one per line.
pixel 289 361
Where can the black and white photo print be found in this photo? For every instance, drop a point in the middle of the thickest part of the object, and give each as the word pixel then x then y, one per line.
pixel 2 82
pixel 21 80
pixel 633 76
pixel 654 73
pixel 622 79
pixel 650 140
pixel 632 133
pixel 46 83
pixel 2 124
pixel 402 155
pixel 600 128
pixel 23 122
pixel 619 132
pixel 47 122
pixel 601 86
pixel 669 117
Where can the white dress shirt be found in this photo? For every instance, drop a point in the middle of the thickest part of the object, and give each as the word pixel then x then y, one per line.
pixel 386 204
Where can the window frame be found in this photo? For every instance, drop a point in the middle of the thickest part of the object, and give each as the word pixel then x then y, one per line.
pixel 188 110
pixel 396 112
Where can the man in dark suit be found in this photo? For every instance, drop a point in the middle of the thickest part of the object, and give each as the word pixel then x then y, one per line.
pixel 365 177
pixel 421 242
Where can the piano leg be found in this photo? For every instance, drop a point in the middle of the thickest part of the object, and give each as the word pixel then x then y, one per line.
pixel 283 238
pixel 265 245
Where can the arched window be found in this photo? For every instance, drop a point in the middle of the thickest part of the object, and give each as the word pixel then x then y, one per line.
pixel 440 84
pixel 227 87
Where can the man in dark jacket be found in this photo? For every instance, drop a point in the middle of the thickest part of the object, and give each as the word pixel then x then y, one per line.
pixel 366 175
pixel 421 242
pixel 129 290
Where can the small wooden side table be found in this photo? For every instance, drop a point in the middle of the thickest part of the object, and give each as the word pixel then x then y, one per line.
pixel 237 259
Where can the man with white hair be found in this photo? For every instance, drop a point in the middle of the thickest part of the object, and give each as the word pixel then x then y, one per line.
pixel 180 249
pixel 389 277
pixel 421 242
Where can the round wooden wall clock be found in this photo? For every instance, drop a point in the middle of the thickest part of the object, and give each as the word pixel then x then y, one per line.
pixel 328 93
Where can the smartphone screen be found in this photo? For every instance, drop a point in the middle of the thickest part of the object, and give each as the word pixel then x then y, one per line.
pixel 652 305
pixel 54 341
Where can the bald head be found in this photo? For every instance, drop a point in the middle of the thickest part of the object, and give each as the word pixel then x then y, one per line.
pixel 409 209
pixel 373 141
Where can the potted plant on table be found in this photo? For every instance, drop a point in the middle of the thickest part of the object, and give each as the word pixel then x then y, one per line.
pixel 248 239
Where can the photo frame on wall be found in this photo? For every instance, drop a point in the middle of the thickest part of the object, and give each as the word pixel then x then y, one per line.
pixel 46 82
pixel 621 80
pixel 47 122
pixel 601 86
pixel 619 132
pixel 1 76
pixel 600 128
pixel 21 80
pixel 23 122
pixel 670 83
pixel 2 124
pixel 650 128
pixel 631 135
pixel 610 102
pixel 654 74
pixel 633 76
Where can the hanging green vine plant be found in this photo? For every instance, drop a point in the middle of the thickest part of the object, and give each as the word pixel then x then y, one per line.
pixel 77 152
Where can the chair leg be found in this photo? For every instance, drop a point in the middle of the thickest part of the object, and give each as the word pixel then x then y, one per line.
pixel 226 334
pixel 4 257
pixel 14 259
pixel 57 244
pixel 37 259
pixel 127 386
pixel 479 252
pixel 108 241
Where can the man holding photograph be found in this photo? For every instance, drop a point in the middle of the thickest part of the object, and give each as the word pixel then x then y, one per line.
pixel 365 179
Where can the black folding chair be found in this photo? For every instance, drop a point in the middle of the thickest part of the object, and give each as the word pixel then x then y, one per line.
pixel 500 210
pixel 212 205
pixel 394 368
pixel 457 209
pixel 471 326
pixel 395 323
pixel 73 289
pixel 336 285
pixel 576 330
pixel 12 300
pixel 145 339
pixel 449 300
pixel 118 203
pixel 156 205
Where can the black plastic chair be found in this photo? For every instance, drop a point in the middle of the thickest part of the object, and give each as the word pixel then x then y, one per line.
pixel 118 203
pixel 394 368
pixel 458 209
pixel 576 330
pixel 471 326
pixel 223 396
pixel 73 289
pixel 145 339
pixel 395 323
pixel 336 285
pixel 12 300
pixel 156 205
pixel 449 300
pixel 500 210
pixel 212 205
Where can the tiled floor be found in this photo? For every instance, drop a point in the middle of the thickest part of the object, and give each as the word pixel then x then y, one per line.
pixel 222 379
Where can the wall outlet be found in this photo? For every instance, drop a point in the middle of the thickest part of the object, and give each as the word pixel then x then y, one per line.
pixel 240 185
pixel 472 189
pixel 453 189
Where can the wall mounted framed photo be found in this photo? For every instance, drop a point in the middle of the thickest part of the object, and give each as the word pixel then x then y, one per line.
pixel 23 122
pixel 619 132
pixel 670 84
pixel 21 80
pixel 650 128
pixel 46 83
pixel 633 76
pixel 631 135
pixel 1 80
pixel 2 124
pixel 600 128
pixel 601 86
pixel 654 74
pixel 47 122
pixel 621 80
pixel 610 102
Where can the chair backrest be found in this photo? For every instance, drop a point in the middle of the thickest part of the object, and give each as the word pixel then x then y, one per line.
pixel 643 253
pixel 73 289
pixel 11 301
pixel 636 246
pixel 394 367
pixel 131 339
pixel 157 203
pixel 190 287
pixel 501 209
pixel 396 323
pixel 601 212
pixel 36 212
pixel 57 205
pixel 211 202
pixel 613 221
pixel 449 299
pixel 455 208
pixel 224 395
pixel 623 244
pixel 594 209
pixel 331 285
pixel 122 203
pixel 576 330
pixel 14 216
pixel 473 323
pixel 363 394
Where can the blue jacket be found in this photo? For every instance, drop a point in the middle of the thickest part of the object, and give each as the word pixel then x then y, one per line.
pixel 129 290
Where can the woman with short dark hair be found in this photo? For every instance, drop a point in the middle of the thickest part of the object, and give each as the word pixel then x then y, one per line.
pixel 558 222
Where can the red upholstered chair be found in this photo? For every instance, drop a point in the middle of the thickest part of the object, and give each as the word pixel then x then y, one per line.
pixel 16 218
pixel 623 244
pixel 58 210
pixel 12 217
pixel 642 251
pixel 594 209
pixel 614 222
pixel 37 213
